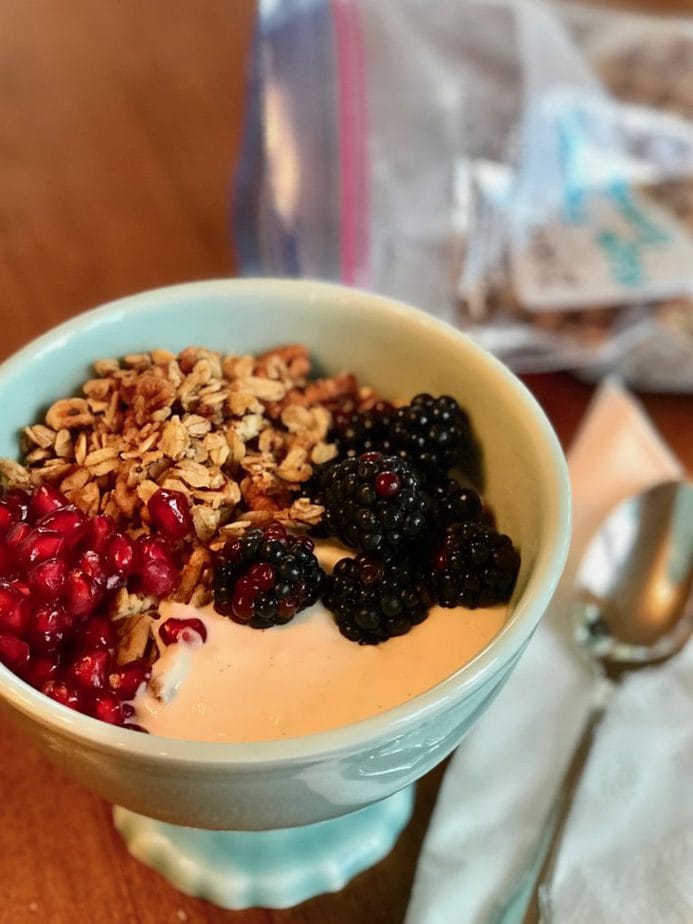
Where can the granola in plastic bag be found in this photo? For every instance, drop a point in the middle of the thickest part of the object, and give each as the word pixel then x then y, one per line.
pixel 522 171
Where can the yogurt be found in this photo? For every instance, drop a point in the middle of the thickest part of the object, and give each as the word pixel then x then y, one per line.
pixel 247 684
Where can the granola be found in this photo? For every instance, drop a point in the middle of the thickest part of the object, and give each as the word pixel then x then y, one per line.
pixel 238 435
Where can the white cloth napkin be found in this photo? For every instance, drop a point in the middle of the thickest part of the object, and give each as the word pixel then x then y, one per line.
pixel 627 855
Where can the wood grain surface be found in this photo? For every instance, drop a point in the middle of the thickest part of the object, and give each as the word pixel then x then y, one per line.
pixel 120 125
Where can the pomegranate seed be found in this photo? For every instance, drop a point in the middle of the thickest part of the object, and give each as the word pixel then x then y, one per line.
pixel 46 499
pixel 180 630
pixel 20 586
pixel 14 653
pixel 80 594
pixel 89 671
pixel 67 521
pixel 98 531
pixel 19 500
pixel 170 513
pixel 62 693
pixel 14 537
pixel 91 564
pixel 261 576
pixel 46 579
pixel 97 632
pixel 387 484
pixel 9 515
pixel 6 561
pixel 51 625
pixel 118 555
pixel 149 548
pixel 370 456
pixel 128 678
pixel 9 598
pixel 108 707
pixel 39 545
pixel 158 578
pixel 18 620
pixel 42 669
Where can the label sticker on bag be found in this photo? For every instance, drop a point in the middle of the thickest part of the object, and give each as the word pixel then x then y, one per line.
pixel 607 248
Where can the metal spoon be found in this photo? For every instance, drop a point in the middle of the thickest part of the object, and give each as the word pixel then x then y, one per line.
pixel 633 610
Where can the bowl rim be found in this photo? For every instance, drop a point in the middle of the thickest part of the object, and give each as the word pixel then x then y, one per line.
pixel 500 651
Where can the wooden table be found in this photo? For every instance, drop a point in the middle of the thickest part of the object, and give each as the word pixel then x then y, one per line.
pixel 120 125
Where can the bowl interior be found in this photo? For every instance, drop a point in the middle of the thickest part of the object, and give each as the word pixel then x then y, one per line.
pixel 396 349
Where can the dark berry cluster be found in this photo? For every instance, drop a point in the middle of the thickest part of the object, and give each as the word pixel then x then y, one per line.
pixel 374 502
pixel 423 536
pixel 266 576
pixel 374 599
pixel 474 566
pixel 434 434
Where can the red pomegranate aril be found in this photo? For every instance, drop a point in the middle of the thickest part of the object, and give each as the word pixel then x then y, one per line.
pixel 108 707
pixel 158 578
pixel 8 516
pixel 47 578
pixel 18 621
pixel 46 499
pixel 9 598
pixel 80 594
pixel 97 532
pixel 170 513
pixel 18 499
pixel 129 677
pixel 118 555
pixel 89 671
pixel 14 652
pixel 67 521
pixel 62 693
pixel 41 669
pixel 20 585
pixel 94 633
pixel 6 560
pixel 178 630
pixel 39 545
pixel 91 564
pixel 15 536
pixel 261 575
pixel 49 628
pixel 149 548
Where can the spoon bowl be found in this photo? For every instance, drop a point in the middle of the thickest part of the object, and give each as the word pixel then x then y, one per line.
pixel 635 579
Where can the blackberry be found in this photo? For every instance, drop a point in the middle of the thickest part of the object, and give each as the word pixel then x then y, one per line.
pixel 266 576
pixel 361 431
pixel 474 566
pixel 374 599
pixel 435 435
pixel 374 502
pixel 456 503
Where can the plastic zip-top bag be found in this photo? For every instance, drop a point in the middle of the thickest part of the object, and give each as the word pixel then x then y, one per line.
pixel 520 170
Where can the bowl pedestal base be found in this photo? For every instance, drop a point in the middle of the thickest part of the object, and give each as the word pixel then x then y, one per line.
pixel 269 869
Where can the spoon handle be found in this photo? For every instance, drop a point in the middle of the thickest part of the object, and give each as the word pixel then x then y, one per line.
pixel 539 908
